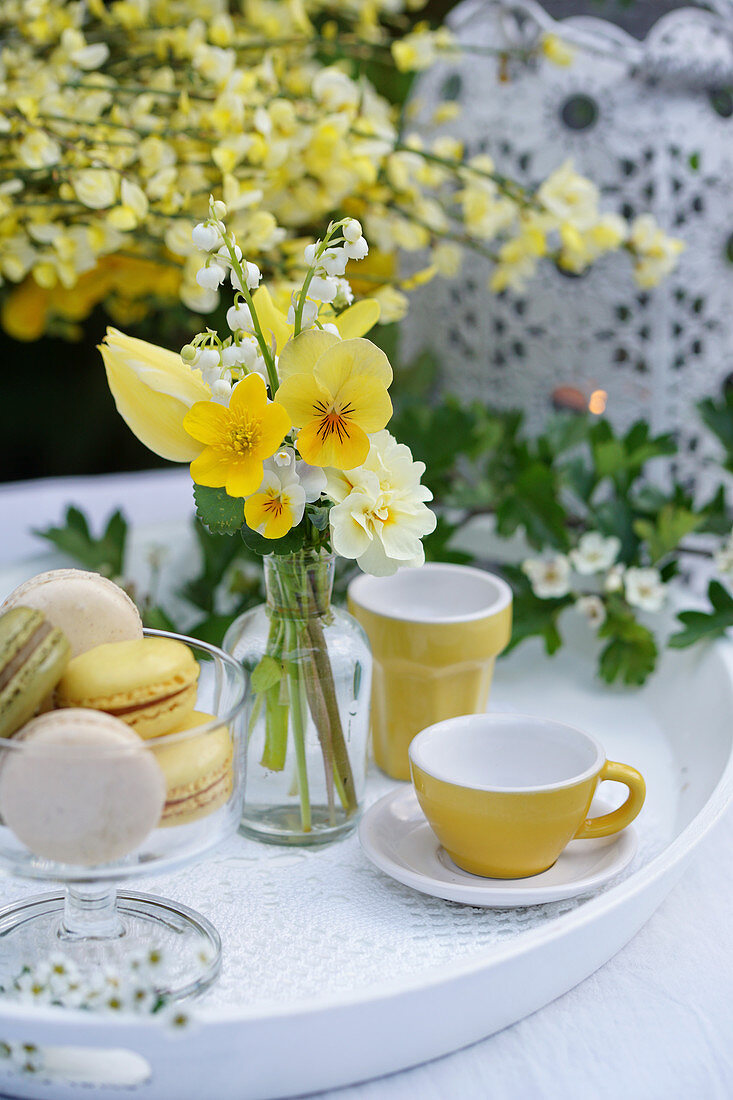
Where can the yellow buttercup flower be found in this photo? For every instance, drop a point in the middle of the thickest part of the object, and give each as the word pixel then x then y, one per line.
pixel 236 439
pixel 153 390
pixel 335 391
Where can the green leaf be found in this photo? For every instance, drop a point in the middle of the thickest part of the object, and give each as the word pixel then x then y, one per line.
pixel 158 619
pixel 266 674
pixel 318 515
pixel 288 544
pixel 105 554
pixel 718 416
pixel 666 533
pixel 222 514
pixel 532 503
pixel 631 653
pixel 699 625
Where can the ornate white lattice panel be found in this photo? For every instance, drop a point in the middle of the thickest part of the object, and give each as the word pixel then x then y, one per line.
pixel 652 124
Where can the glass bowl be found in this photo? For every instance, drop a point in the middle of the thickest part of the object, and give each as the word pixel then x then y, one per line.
pixel 102 824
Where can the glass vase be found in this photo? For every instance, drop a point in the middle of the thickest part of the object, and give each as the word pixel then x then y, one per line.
pixel 310 669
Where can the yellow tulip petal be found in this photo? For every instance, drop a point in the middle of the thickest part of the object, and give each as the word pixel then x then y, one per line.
pixel 300 355
pixel 275 426
pixel 343 453
pixel 211 468
pixel 358 319
pixel 207 421
pixel 244 476
pixel 300 394
pixel 158 368
pixel 352 357
pixel 155 418
pixel 249 395
pixel 372 408
pixel 271 318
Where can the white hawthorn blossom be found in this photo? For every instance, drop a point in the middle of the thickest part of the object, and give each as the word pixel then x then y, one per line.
pixel 593 610
pixel 614 581
pixel 594 553
pixel 644 588
pixel 380 515
pixel 549 577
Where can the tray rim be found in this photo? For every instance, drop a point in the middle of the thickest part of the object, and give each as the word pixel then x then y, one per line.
pixel 207 1018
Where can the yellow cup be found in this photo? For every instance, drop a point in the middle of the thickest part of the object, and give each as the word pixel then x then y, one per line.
pixel 505 793
pixel 435 633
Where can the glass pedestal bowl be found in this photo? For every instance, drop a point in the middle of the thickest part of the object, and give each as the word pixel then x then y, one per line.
pixel 88 922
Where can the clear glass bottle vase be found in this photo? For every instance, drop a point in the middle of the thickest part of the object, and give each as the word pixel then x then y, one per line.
pixel 310 669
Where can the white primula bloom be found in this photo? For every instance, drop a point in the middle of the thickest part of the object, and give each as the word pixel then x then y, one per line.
pixel 594 553
pixel 614 581
pixel 211 276
pixel 240 318
pixel 312 478
pixel 593 609
pixel 380 515
pixel 644 588
pixel 550 578
pixel 356 250
pixel 322 289
pixel 206 237
pixel 352 230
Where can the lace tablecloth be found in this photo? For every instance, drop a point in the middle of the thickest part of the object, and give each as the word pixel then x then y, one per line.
pixel 654 1022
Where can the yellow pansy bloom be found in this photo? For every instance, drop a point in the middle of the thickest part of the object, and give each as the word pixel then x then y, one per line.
pixel 236 439
pixel 335 392
pixel 153 390
pixel 277 506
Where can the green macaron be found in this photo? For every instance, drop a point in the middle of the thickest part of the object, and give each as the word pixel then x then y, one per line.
pixel 33 655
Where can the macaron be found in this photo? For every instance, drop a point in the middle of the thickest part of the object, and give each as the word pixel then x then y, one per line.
pixel 89 608
pixel 79 787
pixel 197 770
pixel 33 655
pixel 149 683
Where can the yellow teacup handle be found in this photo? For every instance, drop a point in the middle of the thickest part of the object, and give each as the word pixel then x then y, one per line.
pixel 624 815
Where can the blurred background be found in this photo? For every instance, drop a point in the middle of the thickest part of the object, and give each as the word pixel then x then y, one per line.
pixel 57 416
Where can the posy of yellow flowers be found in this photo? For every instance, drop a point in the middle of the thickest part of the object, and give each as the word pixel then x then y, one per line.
pixel 288 412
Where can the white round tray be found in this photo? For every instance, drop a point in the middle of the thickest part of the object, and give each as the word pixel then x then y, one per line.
pixel 334 973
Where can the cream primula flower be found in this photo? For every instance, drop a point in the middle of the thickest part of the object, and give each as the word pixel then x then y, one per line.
pixel 380 515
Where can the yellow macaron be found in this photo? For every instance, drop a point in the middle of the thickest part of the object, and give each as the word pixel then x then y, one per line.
pixel 197 770
pixel 149 683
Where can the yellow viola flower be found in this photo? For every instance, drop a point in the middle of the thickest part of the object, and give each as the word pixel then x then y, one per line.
pixel 278 504
pixel 153 390
pixel 335 392
pixel 236 439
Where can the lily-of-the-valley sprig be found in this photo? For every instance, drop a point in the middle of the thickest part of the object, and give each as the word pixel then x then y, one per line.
pixel 284 425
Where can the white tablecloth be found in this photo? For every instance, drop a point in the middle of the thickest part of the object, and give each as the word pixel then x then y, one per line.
pixel 655 1022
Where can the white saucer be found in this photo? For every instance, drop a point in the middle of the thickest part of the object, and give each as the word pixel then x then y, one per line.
pixel 397 838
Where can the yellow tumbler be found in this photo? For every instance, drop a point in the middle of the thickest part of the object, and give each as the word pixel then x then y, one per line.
pixel 435 633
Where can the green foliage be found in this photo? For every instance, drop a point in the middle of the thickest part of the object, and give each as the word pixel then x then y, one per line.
pixel 104 554
pixel 222 514
pixel 631 653
pixel 534 617
pixel 579 475
pixel 706 625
